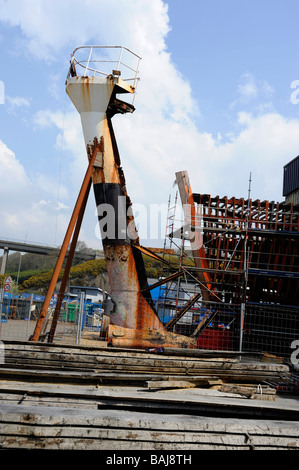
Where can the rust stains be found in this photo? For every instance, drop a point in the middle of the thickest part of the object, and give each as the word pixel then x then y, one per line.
pixel 97 145
pixel 96 149
pixel 86 93
pixel 134 322
pixel 108 171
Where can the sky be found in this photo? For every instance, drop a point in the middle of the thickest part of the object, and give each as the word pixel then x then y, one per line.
pixel 218 97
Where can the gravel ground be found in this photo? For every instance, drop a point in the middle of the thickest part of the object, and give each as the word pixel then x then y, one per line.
pixel 65 333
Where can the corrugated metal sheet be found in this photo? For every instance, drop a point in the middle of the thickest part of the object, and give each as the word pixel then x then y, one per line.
pixel 291 176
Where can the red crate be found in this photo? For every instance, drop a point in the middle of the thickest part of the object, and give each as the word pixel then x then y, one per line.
pixel 217 339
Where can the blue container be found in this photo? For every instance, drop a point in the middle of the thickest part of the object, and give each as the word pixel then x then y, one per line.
pixel 291 176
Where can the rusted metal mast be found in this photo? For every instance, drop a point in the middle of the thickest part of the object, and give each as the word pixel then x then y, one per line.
pixel 134 322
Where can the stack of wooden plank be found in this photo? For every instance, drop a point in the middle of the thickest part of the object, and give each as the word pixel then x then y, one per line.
pixel 75 397
pixel 108 365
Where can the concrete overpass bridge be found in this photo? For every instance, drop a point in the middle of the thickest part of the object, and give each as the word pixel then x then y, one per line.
pixel 24 247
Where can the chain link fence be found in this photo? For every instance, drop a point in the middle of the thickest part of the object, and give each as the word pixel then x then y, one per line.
pixel 79 322
pixel 216 326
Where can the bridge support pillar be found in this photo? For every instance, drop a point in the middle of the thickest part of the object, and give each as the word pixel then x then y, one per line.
pixel 4 260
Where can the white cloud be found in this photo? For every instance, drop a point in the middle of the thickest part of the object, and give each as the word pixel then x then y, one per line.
pixel 12 174
pixel 247 87
pixel 45 183
pixel 55 81
pixel 17 103
pixel 69 138
pixel 55 25
pixel 263 146
pixel 25 205
pixel 253 91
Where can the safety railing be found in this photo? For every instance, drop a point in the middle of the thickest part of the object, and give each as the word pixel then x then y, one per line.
pixel 106 60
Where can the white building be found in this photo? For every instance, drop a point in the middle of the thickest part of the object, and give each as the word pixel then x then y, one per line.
pixel 92 294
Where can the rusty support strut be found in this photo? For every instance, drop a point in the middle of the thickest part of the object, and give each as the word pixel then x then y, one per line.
pixel 68 266
pixel 79 203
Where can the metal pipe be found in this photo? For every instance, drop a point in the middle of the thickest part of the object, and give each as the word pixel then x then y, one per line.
pixel 80 317
pixel 88 61
pixel 29 315
pixel 120 57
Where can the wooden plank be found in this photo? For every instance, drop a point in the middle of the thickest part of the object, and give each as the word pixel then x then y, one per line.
pixel 39 401
pixel 102 355
pixel 55 416
pixel 25 392
pixel 74 391
pixel 110 358
pixel 93 360
pixel 202 353
pixel 97 363
pixel 89 350
pixel 57 428
pixel 239 408
pixel 174 437
pixel 90 444
pixel 166 384
pixel 251 373
pixel 197 401
pixel 72 376
pixel 136 373
pixel 15 442
pixel 259 392
pixel 222 410
pixel 68 348
pixel 267 357
pixel 103 377
pixel 214 369
pixel 121 434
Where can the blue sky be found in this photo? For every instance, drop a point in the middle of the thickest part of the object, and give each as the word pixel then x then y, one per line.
pixel 216 43
pixel 214 99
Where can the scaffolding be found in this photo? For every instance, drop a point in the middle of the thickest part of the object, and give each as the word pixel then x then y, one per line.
pixel 249 254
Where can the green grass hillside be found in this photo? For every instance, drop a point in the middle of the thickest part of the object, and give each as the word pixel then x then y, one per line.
pixel 37 271
pixel 81 274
